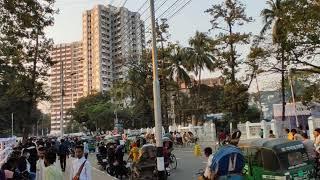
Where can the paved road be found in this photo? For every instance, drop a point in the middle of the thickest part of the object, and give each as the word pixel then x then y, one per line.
pixel 188 166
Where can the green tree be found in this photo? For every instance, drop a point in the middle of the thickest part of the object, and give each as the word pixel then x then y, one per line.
pixel 24 53
pixel 94 112
pixel 274 17
pixel 162 36
pixel 199 57
pixel 303 34
pixel 177 65
pixel 225 19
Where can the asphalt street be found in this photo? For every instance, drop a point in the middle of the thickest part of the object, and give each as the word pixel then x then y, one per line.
pixel 188 166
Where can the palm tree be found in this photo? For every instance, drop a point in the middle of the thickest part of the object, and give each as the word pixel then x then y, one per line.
pixel 199 56
pixel 176 69
pixel 274 17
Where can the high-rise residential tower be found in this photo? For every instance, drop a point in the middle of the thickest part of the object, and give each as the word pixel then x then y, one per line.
pixel 112 36
pixel 66 81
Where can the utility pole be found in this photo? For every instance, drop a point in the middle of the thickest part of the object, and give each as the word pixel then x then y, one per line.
pixel 42 126
pixel 11 124
pixel 61 97
pixel 293 98
pixel 156 97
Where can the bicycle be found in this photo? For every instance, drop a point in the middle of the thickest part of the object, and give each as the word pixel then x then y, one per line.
pixel 173 162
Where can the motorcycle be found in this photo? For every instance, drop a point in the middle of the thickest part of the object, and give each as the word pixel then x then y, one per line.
pixel 102 161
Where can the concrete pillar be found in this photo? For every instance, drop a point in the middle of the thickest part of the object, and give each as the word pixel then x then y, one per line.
pixel 179 128
pixel 248 129
pixel 311 125
pixel 265 129
pixel 213 131
pixel 191 128
pixel 274 128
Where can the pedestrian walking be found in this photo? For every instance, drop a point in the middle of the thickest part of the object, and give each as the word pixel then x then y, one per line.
pixel 33 157
pixel 63 154
pixel 296 135
pixel 80 168
pixel 51 172
pixel 40 164
pixel 208 154
pixel 86 149
pixel 222 136
pixel 289 134
pixel 261 133
pixel 308 144
pixel 271 135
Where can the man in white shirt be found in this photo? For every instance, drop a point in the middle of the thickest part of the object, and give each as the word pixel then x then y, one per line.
pixel 40 164
pixel 80 161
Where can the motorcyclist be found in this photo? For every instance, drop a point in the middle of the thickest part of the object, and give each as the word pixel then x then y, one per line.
pixel 166 153
pixel 111 155
pixel 102 149
pixel 134 153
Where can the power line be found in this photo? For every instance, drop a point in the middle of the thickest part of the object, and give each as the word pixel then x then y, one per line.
pixel 176 7
pixel 111 2
pixel 142 5
pixel 169 8
pixel 147 17
pixel 160 15
pixel 179 10
pixel 125 2
pixel 119 3
pixel 175 13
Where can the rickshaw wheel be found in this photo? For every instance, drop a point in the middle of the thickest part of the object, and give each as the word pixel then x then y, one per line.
pixel 173 162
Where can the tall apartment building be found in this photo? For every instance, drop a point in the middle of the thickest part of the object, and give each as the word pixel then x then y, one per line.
pixel 69 57
pixel 112 36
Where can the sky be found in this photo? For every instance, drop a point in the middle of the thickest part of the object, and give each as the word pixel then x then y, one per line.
pixel 68 23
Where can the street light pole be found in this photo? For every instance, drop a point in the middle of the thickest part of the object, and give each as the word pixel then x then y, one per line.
pixel 11 124
pixel 42 126
pixel 293 98
pixel 156 97
pixel 173 110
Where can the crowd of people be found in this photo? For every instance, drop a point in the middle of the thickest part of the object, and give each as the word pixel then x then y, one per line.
pixel 36 159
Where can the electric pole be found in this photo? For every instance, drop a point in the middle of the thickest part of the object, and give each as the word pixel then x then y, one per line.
pixel 11 124
pixel 156 97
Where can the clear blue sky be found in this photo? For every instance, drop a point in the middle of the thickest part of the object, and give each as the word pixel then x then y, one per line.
pixel 68 23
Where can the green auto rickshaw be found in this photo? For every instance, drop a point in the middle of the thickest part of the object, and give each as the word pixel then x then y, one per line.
pixel 279 159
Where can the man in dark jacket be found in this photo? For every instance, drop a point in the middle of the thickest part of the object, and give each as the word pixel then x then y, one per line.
pixel 63 153
pixel 31 147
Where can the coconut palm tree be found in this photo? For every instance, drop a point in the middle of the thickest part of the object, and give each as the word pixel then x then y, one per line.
pixel 199 56
pixel 274 18
pixel 176 69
